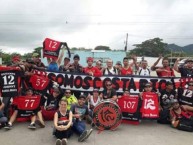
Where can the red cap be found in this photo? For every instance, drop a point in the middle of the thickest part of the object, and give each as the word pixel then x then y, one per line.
pixel 89 59
pixel 16 58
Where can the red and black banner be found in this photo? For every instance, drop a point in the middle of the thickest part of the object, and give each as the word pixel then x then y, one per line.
pixel 130 108
pixel 134 83
pixel 150 105
pixel 51 48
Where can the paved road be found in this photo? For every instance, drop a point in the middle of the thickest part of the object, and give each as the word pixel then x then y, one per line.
pixel 147 133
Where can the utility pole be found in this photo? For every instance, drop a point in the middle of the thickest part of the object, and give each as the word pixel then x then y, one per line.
pixel 126 42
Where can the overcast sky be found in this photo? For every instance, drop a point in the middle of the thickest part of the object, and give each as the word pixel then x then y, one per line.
pixel 24 24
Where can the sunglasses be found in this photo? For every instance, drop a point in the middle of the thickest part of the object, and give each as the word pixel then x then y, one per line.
pixel 190 85
pixel 68 92
pixel 109 85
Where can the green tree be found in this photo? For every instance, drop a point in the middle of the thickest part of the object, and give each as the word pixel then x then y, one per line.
pixel 38 50
pixel 102 48
pixel 152 47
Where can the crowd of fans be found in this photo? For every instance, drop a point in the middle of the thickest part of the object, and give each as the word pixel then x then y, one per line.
pixel 71 110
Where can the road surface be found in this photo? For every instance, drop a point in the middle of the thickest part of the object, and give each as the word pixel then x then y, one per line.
pixel 147 133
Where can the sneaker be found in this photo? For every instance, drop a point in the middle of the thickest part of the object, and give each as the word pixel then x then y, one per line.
pixel 58 142
pixel 82 136
pixel 8 126
pixel 32 126
pixel 88 133
pixel 40 123
pixel 64 141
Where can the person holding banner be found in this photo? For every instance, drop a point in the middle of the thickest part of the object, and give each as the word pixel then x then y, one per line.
pixel 185 70
pixel 127 69
pixel 110 69
pixel 62 123
pixel 75 66
pixel 29 92
pixel 65 66
pixel 165 97
pixel 80 111
pixel 91 70
pixel 144 70
pixel 150 103
pixel 54 63
pixel 185 95
pixel 165 70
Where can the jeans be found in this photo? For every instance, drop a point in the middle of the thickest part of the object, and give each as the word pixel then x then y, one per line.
pixel 79 127
pixel 2 118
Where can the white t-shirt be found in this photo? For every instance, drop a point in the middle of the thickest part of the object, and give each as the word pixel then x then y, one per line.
pixel 112 71
pixel 144 72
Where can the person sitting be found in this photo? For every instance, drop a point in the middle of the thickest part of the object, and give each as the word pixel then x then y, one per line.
pixel 71 99
pixel 181 116
pixel 29 92
pixel 93 100
pixel 109 92
pixel 62 123
pixel 3 119
pixel 80 111
pixel 52 100
pixel 90 69
pixel 165 96
pixel 185 96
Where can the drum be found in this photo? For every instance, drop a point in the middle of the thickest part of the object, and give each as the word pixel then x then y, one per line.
pixel 107 115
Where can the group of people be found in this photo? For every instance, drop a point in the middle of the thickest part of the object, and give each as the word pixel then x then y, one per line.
pixel 122 68
pixel 70 111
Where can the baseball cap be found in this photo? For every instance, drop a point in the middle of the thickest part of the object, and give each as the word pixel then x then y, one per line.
pixel 95 90
pixel 35 55
pixel 188 60
pixel 169 83
pixel 56 90
pixel 173 101
pixel 118 63
pixel 148 85
pixel 89 59
pixel 82 96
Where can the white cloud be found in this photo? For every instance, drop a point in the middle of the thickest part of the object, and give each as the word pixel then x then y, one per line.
pixel 88 23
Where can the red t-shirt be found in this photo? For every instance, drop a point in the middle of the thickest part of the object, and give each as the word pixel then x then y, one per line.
pixel 96 72
pixel 127 71
pixel 170 72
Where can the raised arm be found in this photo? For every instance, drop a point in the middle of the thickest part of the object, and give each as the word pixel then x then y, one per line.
pixel 154 65
pixel 60 56
pixel 176 65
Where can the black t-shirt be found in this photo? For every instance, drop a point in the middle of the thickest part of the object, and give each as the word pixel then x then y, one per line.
pixel 185 96
pixel 185 72
pixel 110 94
pixel 166 98
pixel 82 110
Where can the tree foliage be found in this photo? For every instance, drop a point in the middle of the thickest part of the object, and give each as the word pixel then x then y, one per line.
pixel 102 48
pixel 152 47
